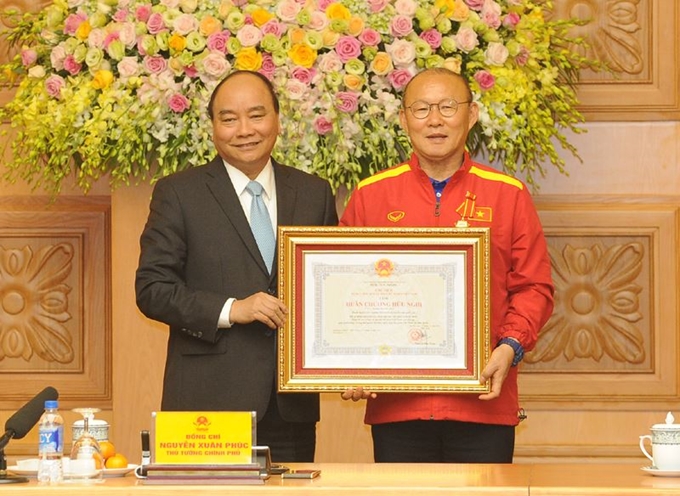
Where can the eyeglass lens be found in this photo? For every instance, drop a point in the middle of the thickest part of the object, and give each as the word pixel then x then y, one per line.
pixel 446 107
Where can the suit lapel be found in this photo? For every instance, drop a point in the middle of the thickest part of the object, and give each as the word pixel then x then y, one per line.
pixel 222 189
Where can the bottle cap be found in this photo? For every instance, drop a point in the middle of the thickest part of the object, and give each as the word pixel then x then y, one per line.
pixel 51 404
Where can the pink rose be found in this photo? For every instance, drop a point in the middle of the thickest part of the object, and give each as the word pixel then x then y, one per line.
pixel 303 75
pixel 120 15
pixel 155 65
pixel 155 24
pixel 71 65
pixel 377 5
pixel 485 79
pixel 96 38
pixel 73 22
pixel 347 48
pixel 268 66
pixel 28 57
pixel 346 101
pixel 273 27
pixel 111 37
pixel 127 34
pixel 399 78
pixel 322 125
pixel 323 4
pixel 369 37
pixel 190 71
pixel 53 85
pixel 523 56
pixel 401 25
pixel 143 12
pixel 178 103
pixel 495 54
pixel 217 42
pixel 432 37
pixel 491 14
pixel 511 20
pixel 475 4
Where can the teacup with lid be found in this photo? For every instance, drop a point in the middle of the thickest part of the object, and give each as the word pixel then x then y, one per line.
pixel 665 439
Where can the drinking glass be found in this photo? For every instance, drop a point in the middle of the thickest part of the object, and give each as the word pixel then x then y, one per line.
pixel 86 462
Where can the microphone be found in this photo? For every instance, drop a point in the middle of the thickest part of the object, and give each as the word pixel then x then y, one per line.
pixel 18 425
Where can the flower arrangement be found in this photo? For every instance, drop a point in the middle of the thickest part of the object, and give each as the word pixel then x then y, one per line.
pixel 121 87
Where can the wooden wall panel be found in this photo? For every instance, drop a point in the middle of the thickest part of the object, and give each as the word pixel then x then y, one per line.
pixel 55 315
pixel 638 40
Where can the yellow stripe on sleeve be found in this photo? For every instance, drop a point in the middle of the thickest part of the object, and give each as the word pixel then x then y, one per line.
pixel 397 171
pixel 496 176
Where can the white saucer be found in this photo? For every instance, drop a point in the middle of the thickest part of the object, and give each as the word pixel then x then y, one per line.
pixel 107 473
pixel 661 473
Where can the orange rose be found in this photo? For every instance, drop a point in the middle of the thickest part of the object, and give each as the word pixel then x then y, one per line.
pixel 177 42
pixel 353 82
pixel 302 55
pixel 356 26
pixel 209 25
pixel 381 64
pixel 296 35
pixel 261 17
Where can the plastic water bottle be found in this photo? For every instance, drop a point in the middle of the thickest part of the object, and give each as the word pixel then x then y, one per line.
pixel 51 446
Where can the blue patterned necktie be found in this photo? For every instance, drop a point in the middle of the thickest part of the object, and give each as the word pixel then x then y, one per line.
pixel 261 224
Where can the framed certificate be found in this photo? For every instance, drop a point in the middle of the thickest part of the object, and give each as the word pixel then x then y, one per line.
pixel 388 309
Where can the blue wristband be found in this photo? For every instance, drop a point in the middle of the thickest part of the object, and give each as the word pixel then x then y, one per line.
pixel 519 350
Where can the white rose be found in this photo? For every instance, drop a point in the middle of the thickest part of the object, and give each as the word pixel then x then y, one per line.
pixel 37 71
pixel 405 7
pixel 496 53
pixel 57 57
pixel 249 35
pixel 287 10
pixel 466 39
pixel 403 52
pixel 185 24
pixel 127 34
pixel 128 67
pixel 318 21
pixel 329 62
pixel 216 65
pixel 295 90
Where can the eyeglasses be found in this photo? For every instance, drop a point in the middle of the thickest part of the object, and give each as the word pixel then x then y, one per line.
pixel 447 108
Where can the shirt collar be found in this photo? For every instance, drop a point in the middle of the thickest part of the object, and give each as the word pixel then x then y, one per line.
pixel 240 180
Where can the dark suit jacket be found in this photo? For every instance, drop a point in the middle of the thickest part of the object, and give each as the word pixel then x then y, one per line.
pixel 197 250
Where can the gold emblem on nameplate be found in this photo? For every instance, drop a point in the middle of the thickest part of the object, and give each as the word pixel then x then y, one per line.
pixel 384 267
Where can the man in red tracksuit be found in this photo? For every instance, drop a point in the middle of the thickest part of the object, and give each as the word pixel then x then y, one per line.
pixel 439 186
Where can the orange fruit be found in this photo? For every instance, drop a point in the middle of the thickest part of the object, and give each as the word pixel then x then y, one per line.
pixel 116 461
pixel 108 449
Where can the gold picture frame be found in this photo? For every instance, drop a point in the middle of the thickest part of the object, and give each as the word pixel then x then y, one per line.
pixel 387 309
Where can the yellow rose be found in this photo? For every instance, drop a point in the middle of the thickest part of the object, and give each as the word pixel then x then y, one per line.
pixel 296 36
pixel 356 26
pixel 226 6
pixel 453 9
pixel 453 64
pixel 338 11
pixel 177 43
pixel 381 64
pixel 209 25
pixel 261 17
pixel 302 55
pixel 102 79
pixel 248 59
pixel 83 30
pixel 353 82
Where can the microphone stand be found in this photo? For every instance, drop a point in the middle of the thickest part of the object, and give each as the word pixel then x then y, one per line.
pixel 6 478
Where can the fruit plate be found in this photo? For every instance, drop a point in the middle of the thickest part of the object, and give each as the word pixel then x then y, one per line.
pixel 108 472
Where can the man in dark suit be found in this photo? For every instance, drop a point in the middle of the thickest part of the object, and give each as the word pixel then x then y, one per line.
pixel 201 272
